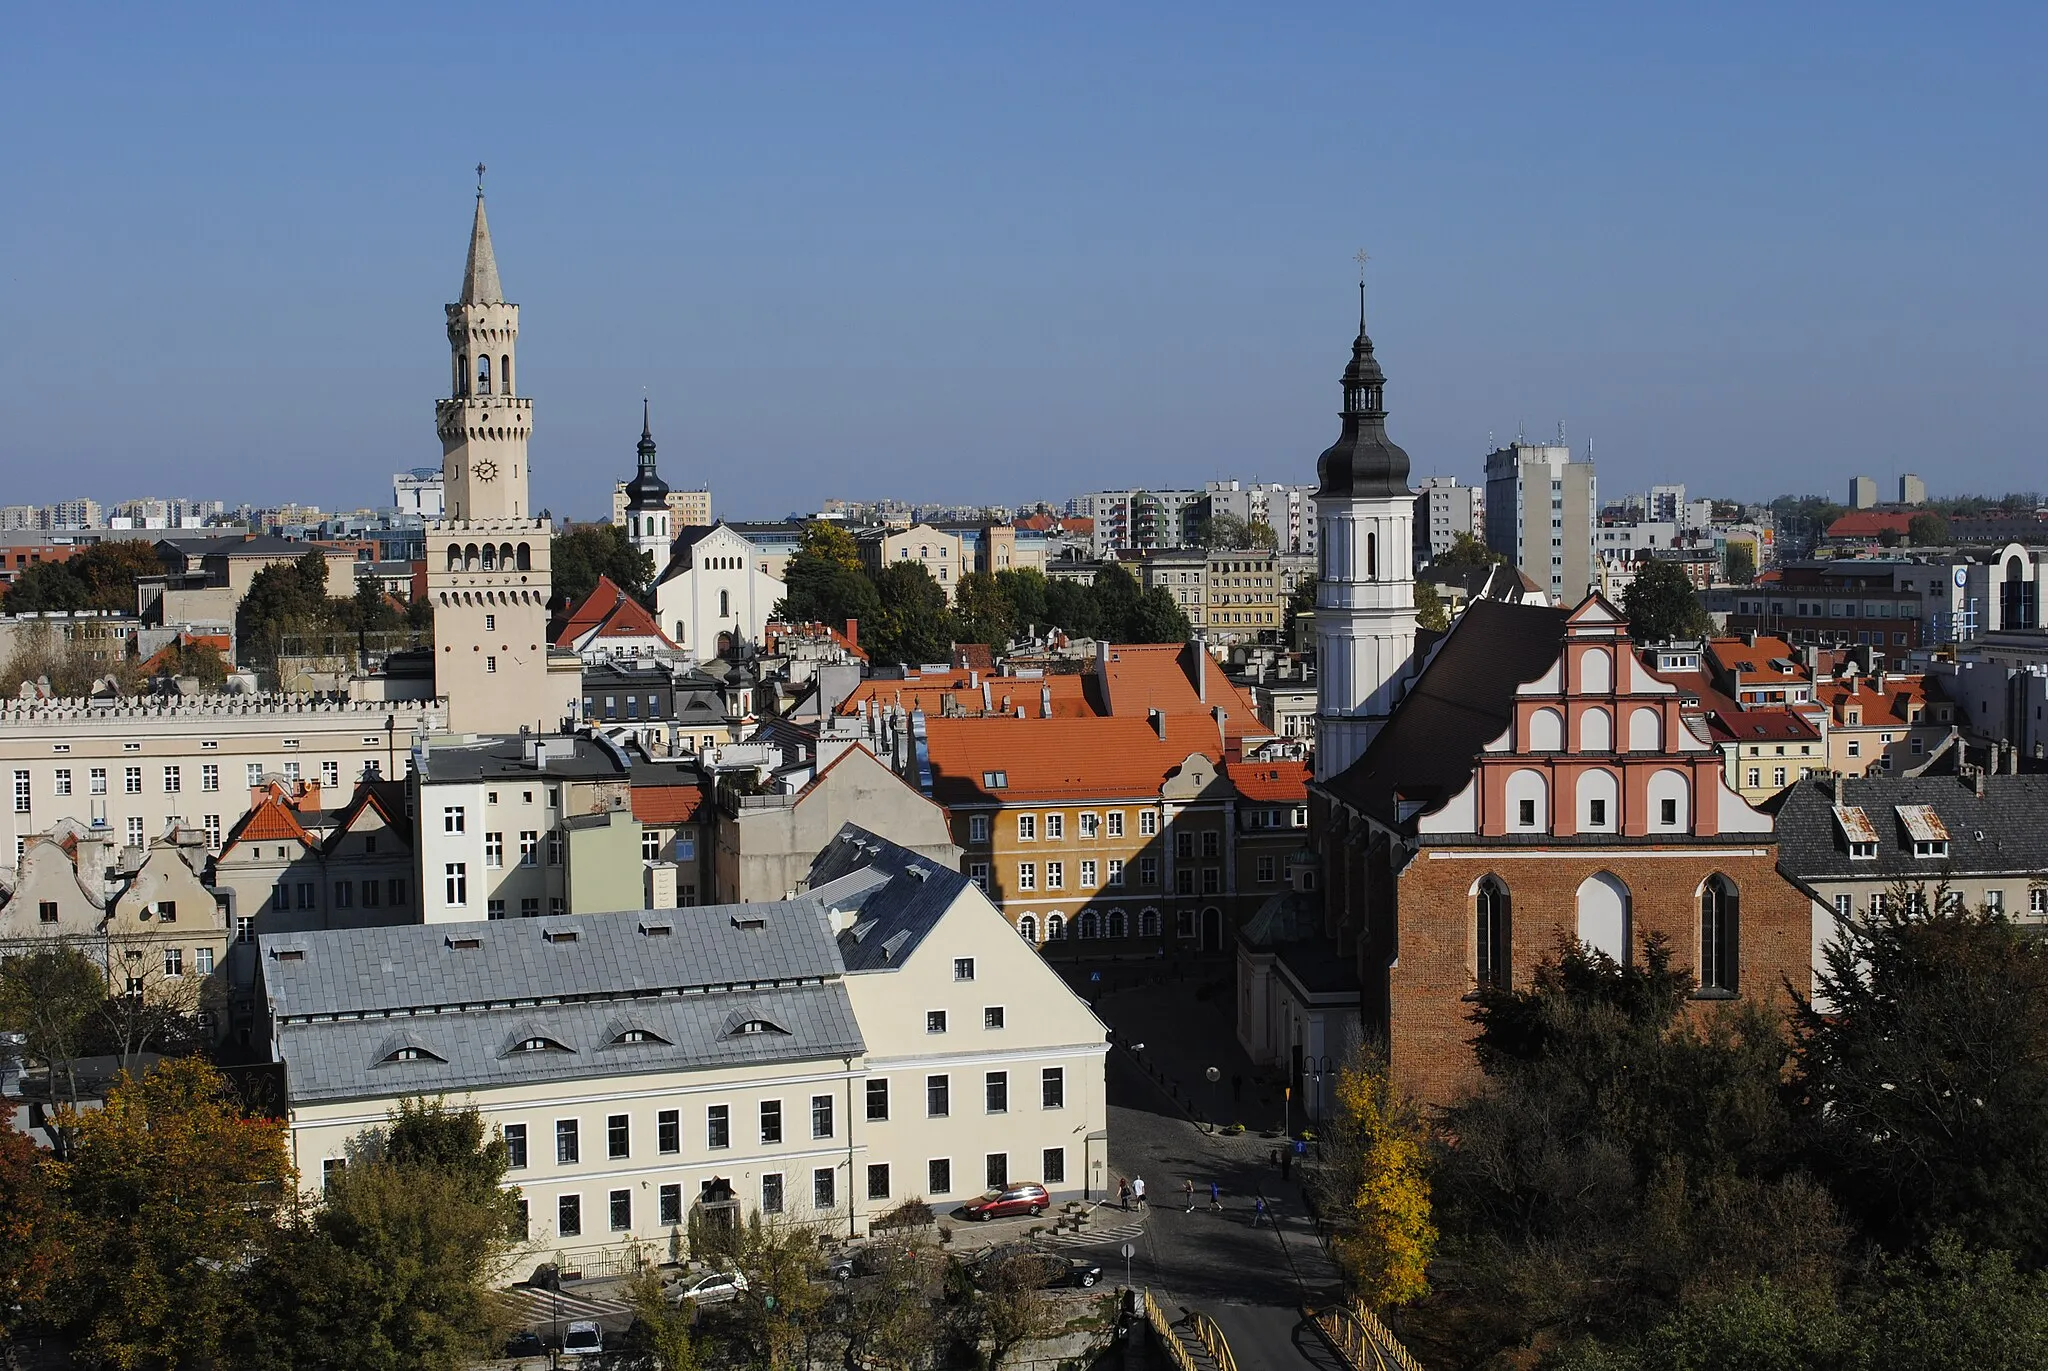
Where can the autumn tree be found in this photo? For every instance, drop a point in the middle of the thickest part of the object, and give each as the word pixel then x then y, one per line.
pixel 72 661
pixel 887 1318
pixel 780 1262
pixel 1375 1187
pixel 1009 1306
pixel 1467 551
pixel 661 1337
pixel 101 577
pixel 167 1190
pixel 30 1250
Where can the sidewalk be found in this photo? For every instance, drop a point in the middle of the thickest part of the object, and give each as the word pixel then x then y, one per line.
pixel 1187 1026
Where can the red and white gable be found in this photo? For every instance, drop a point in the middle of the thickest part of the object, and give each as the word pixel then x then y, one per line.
pixel 1598 746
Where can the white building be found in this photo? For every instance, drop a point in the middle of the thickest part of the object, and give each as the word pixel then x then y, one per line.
pixel 714 592
pixel 419 492
pixel 1540 510
pixel 883 1036
pixel 647 511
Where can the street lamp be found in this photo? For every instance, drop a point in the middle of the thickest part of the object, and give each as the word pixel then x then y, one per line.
pixel 1214 1076
pixel 1319 1067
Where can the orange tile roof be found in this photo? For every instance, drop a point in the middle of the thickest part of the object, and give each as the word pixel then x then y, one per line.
pixel 1281 782
pixel 611 613
pixel 667 804
pixel 1070 698
pixel 1145 676
pixel 1893 703
pixel 1060 758
pixel 1736 654
pixel 272 820
pixel 1868 523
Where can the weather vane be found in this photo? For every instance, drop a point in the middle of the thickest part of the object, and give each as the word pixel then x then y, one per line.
pixel 479 178
pixel 1362 258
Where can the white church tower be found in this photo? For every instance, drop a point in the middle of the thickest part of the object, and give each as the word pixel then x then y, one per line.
pixel 647 511
pixel 1365 597
pixel 487 561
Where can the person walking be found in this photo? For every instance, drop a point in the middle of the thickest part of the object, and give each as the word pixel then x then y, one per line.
pixel 1259 1212
pixel 1187 1192
pixel 1138 1192
pixel 1123 1194
pixel 1215 1198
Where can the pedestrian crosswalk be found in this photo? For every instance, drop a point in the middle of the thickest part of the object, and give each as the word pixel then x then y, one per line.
pixel 530 1308
pixel 1098 1231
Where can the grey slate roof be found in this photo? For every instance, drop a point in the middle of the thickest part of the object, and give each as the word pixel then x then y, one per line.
pixel 2005 833
pixel 894 915
pixel 576 756
pixel 350 1059
pixel 396 970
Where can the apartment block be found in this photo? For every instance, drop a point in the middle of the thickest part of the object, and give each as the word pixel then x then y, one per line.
pixel 1540 511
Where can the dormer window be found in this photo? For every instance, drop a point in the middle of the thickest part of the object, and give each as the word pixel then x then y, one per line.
pixel 411 1054
pixel 633 1036
pixel 538 1045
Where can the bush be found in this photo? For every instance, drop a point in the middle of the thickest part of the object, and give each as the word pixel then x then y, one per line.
pixel 912 1213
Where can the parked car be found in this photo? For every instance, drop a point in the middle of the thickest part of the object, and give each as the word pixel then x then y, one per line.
pixel 1041 1270
pixel 1027 1197
pixel 716 1288
pixel 527 1344
pixel 584 1339
pixel 866 1261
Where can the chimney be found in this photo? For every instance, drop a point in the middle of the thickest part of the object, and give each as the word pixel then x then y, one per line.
pixel 1839 787
pixel 1158 718
pixel 1045 700
pixel 1220 715
pixel 1199 668
pixel 974 679
pixel 853 632
pixel 1977 778
pixel 987 699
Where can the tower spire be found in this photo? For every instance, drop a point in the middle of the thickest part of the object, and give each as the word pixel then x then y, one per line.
pixel 480 277
pixel 646 448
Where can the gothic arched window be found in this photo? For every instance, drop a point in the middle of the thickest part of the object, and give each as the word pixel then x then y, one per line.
pixel 1719 920
pixel 483 374
pixel 505 373
pixel 1490 962
pixel 724 604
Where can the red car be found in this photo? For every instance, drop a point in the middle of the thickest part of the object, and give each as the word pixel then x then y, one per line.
pixel 1029 1197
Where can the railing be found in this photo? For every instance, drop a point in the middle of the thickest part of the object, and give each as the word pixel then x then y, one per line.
pixel 1363 1341
pixel 1205 1331
pixel 1163 1334
pixel 1212 1339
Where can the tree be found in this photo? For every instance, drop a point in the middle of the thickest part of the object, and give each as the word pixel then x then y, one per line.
pixel 661 1338
pixel 1225 532
pixel 1261 535
pixel 286 599
pixel 1025 590
pixel 51 993
pixel 1662 605
pixel 72 663
pixel 1466 550
pixel 780 1262
pixel 1429 608
pixel 1927 530
pixel 1301 601
pixel 581 553
pixel 887 1318
pixel 1923 1068
pixel 829 542
pixel 103 576
pixel 1073 608
pixel 1010 1306
pixel 169 1189
pixel 1739 565
pixel 1375 1188
pixel 30 1251
pixel 43 587
pixel 982 612
pixel 1116 601
pixel 915 623
pixel 824 592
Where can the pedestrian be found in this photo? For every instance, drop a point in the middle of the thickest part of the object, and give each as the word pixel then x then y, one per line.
pixel 1215 1199
pixel 1123 1194
pixel 1187 1191
pixel 1259 1212
pixel 1138 1192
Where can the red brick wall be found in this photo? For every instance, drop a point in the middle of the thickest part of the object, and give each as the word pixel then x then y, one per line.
pixel 1428 1027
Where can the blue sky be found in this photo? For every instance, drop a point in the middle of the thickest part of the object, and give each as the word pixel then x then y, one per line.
pixel 977 254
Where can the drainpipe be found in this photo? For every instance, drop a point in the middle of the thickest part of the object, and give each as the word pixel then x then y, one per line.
pixel 849 1145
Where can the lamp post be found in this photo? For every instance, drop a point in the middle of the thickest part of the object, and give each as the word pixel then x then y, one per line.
pixel 1214 1076
pixel 1318 1068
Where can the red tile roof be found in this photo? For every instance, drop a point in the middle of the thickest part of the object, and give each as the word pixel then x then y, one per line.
pixel 1145 676
pixel 662 805
pixel 1761 726
pixel 272 820
pixel 928 691
pixel 1893 703
pixel 1060 758
pixel 1281 782
pixel 609 612
pixel 1869 523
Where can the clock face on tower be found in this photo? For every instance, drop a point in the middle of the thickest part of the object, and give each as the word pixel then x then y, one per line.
pixel 486 470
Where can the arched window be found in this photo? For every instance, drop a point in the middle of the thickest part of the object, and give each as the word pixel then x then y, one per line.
pixel 462 375
pixel 1528 802
pixel 1119 924
pixel 1148 923
pixel 1091 925
pixel 458 364
pixel 469 557
pixel 490 562
pixel 454 556
pixel 1599 802
pixel 483 374
pixel 1670 799
pixel 525 554
pixel 678 635
pixel 1596 671
pixel 1372 556
pixel 505 373
pixel 1603 908
pixel 1055 928
pixel 504 556
pixel 1596 731
pixel 1720 910
pixel 1027 929
pixel 724 604
pixel 1490 965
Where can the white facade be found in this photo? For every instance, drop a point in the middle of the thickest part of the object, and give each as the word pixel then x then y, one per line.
pixel 419 492
pixel 714 591
pixel 1365 623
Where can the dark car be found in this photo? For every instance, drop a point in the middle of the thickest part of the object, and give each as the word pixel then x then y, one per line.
pixel 1026 1197
pixel 870 1260
pixel 1039 1270
pixel 527 1344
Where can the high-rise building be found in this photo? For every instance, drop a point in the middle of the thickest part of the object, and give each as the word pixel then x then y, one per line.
pixel 1862 492
pixel 647 512
pixel 1365 599
pixel 487 562
pixel 1443 510
pixel 1665 502
pixel 419 493
pixel 1540 510
pixel 1912 490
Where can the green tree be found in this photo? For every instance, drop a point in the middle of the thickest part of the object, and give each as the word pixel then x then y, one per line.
pixel 103 576
pixel 1466 550
pixel 1739 564
pixel 1662 605
pixel 1025 590
pixel 915 624
pixel 1429 608
pixel 1261 535
pixel 286 599
pixel 581 553
pixel 1226 532
pixel 1116 602
pixel 1923 1068
pixel 1009 1307
pixel 1073 608
pixel 44 587
pixel 168 1190
pixel 824 592
pixel 887 1317
pixel 1157 618
pixel 51 994
pixel 982 611
pixel 829 542
pixel 1927 530
pixel 662 1337
pixel 781 1264
pixel 1301 601
pixel 1952 1308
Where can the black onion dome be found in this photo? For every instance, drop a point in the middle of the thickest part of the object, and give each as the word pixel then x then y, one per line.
pixel 1363 462
pixel 646 490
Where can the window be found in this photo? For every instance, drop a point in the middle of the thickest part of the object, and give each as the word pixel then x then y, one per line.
pixel 1718 927
pixel 174 961
pixel 977 872
pixel 452 819
pixel 1054 1168
pixel 718 1127
pixel 529 847
pixel 668 1131
pixel 135 833
pixel 1267 870
pixel 878 1099
pixel 1027 828
pixel 174 780
pixel 494 851
pixel 1148 872
pixel 998 1171
pixel 490 666
pixel 878 1181
pixel 515 1146
pixel 569 1216
pixel 977 828
pixel 1491 933
pixel 1055 827
pixel 1055 875
pixel 1113 823
pixel 821 1116
pixel 1667 812
pixel 1212 880
pixel 2037 900
pixel 671 1202
pixel 494 909
pixel 1755 777
pixel 245 928
pixel 1212 843
pixel 650 844
pixel 771 1193
pixel 63 781
pixel 1778 776
pixel 554 849
pixel 938 1096
pixel 202 961
pixel 1184 882
pixel 456 875
pixel 963 968
pixel 96 779
pixel 822 1194
pixel 938 1176
pixel 22 785
pixel 1844 905
pixel 1090 825
pixel 622 1211
pixel 209 777
pixel 344 894
pixel 330 774
pixel 1088 881
pixel 771 1121
pixel 131 780
pixel 1148 823
pixel 618 1136
pixel 992 1017
pixel 1116 872
pixel 568 1151
pixel 1525 813
pixel 1027 875
pixel 1855 747
pixel 1052 1088
pixel 998 1092
pixel 1184 845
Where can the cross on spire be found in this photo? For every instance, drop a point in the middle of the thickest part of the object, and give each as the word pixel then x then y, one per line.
pixel 479 180
pixel 1361 258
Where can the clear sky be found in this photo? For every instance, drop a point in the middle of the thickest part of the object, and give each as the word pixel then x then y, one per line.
pixel 972 253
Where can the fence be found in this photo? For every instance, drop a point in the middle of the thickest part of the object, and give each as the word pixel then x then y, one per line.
pixel 1163 1334
pixel 1205 1331
pixel 1363 1341
pixel 1212 1339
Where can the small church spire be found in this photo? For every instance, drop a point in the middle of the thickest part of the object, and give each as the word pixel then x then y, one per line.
pixel 646 448
pixel 480 277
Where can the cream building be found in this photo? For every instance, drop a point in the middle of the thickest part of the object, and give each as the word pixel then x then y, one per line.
pixel 883 1036
pixel 938 550
pixel 713 592
pixel 686 508
pixel 488 561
